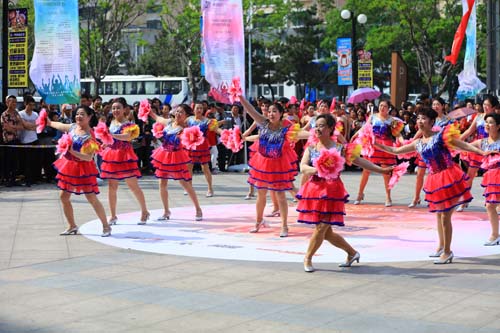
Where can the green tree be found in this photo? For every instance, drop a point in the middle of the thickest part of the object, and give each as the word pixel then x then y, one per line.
pixel 101 25
pixel 422 31
pixel 302 45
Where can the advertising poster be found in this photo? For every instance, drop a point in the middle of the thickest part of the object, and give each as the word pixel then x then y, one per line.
pixel 55 67
pixel 344 61
pixel 18 48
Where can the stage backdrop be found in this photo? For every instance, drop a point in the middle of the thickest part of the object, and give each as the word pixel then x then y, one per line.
pixel 223 45
pixel 55 68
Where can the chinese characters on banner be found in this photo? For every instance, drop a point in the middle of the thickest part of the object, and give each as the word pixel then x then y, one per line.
pixel 223 46
pixel 55 67
pixel 344 61
pixel 18 48
pixel 365 69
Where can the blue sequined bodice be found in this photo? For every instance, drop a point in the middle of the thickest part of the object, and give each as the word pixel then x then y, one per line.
pixel 435 154
pixel 443 122
pixel 494 146
pixel 271 142
pixel 381 128
pixel 117 128
pixel 202 124
pixel 171 139
pixel 78 140
pixel 480 130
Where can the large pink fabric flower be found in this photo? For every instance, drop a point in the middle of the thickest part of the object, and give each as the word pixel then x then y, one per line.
pixel 235 90
pixel 231 139
pixel 102 133
pixel 192 137
pixel 64 144
pixel 158 130
pixel 366 139
pixel 329 163
pixel 302 105
pixel 41 121
pixel 144 110
pixel 397 172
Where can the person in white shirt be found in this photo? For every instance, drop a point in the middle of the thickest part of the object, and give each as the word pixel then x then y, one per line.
pixel 30 156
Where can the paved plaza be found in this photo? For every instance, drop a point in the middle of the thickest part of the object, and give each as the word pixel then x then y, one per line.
pixel 50 283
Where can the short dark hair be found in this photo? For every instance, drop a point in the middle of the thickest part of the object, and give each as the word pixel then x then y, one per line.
pixel 495 117
pixel 428 112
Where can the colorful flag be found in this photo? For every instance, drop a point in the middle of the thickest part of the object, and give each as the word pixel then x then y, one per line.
pixel 223 46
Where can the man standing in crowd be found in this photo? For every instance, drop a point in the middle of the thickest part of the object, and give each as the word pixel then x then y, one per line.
pixel 11 124
pixel 30 156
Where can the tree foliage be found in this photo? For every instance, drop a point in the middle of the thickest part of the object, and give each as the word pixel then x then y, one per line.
pixel 101 26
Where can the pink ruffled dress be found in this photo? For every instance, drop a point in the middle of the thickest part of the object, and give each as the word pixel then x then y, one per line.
pixel 474 160
pixel 171 160
pixel 201 154
pixel 73 174
pixel 446 184
pixel 119 160
pixel 322 200
pixel 491 178
pixel 273 161
pixel 384 131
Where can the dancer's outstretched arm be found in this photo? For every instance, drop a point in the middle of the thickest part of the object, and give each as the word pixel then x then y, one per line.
pixel 398 150
pixel 259 118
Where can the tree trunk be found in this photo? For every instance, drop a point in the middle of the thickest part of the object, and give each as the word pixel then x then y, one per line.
pixel 97 85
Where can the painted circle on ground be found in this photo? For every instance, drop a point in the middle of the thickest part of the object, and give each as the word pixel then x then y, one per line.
pixel 380 234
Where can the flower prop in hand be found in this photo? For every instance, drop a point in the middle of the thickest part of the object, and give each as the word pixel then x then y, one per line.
pixel 366 139
pixel 64 144
pixel 235 90
pixel 192 137
pixel 102 133
pixel 352 152
pixel 41 121
pixel 231 139
pixel 144 110
pixel 158 130
pixel 397 172
pixel 293 100
pixel 329 163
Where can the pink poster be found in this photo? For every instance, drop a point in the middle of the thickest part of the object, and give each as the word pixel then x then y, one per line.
pixel 223 46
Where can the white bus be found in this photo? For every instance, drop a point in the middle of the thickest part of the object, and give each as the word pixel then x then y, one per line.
pixel 173 90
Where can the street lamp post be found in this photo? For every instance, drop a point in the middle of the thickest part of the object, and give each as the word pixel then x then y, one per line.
pixel 346 14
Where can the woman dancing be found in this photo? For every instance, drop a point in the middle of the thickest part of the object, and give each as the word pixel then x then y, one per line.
pixel 434 149
pixel 274 165
pixel 120 162
pixel 477 127
pixel 386 129
pixel 491 179
pixel 171 160
pixel 76 170
pixel 201 154
pixel 442 121
pixel 322 201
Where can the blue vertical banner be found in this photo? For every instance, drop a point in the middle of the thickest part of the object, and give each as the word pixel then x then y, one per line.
pixel 344 61
pixel 55 67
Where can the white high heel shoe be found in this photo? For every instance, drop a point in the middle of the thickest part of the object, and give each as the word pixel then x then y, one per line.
pixel 414 203
pixel 444 261
pixel 144 219
pixel 258 225
pixel 308 267
pixel 493 242
pixel 359 199
pixel 350 261
pixel 437 254
pixel 69 231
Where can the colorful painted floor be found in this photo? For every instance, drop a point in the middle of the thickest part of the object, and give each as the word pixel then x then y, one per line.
pixel 380 234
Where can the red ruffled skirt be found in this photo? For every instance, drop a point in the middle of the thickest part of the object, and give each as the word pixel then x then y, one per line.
pixel 322 201
pixel 275 174
pixel 76 176
pixel 119 162
pixel 473 160
pixel 380 157
pixel 201 154
pixel 491 182
pixel 171 164
pixel 447 189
